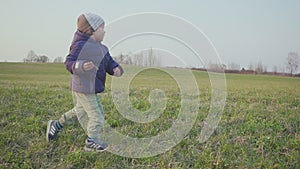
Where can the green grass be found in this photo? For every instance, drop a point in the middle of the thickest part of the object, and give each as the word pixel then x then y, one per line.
pixel 259 126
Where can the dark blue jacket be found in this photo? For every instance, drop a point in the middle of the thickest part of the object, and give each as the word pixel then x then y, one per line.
pixel 85 49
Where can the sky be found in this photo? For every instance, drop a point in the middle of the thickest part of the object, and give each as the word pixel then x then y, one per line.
pixel 242 31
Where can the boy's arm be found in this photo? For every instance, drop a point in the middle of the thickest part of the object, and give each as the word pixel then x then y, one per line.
pixel 73 65
pixel 113 66
pixel 118 71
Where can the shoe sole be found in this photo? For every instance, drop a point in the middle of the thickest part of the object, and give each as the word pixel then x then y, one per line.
pixel 48 130
pixel 92 150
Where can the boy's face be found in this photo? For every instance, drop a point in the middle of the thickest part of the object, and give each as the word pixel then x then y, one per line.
pixel 99 33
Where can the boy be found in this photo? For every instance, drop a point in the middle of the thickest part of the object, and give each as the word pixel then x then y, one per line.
pixel 88 61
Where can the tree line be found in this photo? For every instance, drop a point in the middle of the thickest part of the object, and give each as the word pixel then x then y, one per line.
pixel 147 58
pixel 150 58
pixel 34 58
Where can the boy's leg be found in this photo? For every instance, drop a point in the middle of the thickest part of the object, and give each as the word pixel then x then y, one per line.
pixel 82 116
pixel 55 126
pixel 94 118
pixel 94 144
pixel 68 118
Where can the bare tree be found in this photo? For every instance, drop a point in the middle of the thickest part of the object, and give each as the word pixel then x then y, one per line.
pixel 275 69
pixel 31 57
pixel 124 59
pixel 234 66
pixel 142 58
pixel 251 66
pixel 58 60
pixel 151 58
pixel 129 59
pixel 146 58
pixel 292 62
pixel 120 58
pixel 259 68
pixel 216 67
pixel 265 69
pixel 43 59
pixel 138 59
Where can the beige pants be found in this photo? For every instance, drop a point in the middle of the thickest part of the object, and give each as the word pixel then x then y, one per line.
pixel 89 112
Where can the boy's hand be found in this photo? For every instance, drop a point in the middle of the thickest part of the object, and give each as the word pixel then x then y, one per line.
pixel 88 66
pixel 117 72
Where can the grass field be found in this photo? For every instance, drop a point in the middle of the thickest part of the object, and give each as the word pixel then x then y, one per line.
pixel 260 125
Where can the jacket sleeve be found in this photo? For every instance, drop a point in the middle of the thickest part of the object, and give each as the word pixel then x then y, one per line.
pixel 73 65
pixel 111 64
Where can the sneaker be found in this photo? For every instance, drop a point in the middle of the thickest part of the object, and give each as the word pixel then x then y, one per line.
pixel 95 145
pixel 52 130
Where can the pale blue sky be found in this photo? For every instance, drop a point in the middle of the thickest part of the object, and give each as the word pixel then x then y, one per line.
pixel 242 31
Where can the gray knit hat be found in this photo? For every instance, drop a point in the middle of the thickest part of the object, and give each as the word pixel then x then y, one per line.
pixel 94 20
